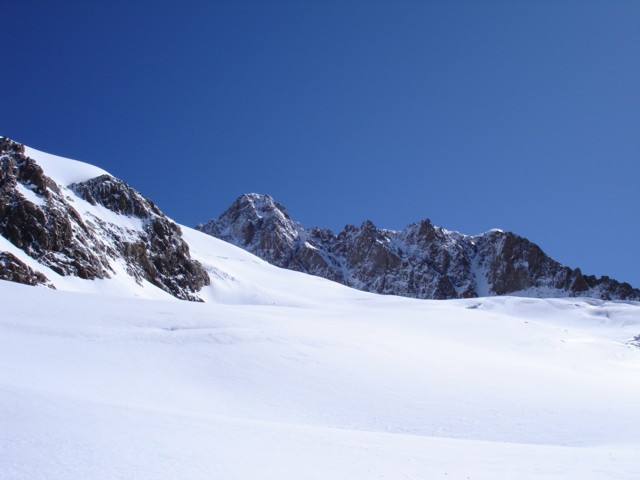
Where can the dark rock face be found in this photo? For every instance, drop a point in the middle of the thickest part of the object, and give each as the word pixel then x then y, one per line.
pixel 40 217
pixel 421 261
pixel 116 195
pixel 159 255
pixel 635 341
pixel 13 270
pixel 44 224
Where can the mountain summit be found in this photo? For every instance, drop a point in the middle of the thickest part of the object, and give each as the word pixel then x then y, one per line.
pixel 259 224
pixel 421 261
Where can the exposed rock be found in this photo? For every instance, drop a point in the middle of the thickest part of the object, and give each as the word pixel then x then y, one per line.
pixel 116 195
pixel 260 221
pixel 37 216
pixel 44 224
pixel 159 255
pixel 421 261
pixel 13 270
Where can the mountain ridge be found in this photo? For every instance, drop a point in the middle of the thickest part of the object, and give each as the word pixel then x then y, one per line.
pixel 90 229
pixel 420 261
pixel 63 219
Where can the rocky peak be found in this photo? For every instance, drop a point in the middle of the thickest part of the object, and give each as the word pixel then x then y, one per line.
pixel 259 206
pixel 423 229
pixel 260 224
pixel 423 260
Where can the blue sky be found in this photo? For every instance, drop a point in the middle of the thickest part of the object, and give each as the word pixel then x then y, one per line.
pixel 522 115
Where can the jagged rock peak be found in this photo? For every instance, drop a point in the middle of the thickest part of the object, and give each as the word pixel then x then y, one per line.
pixel 260 205
pixel 258 220
pixel 423 260
pixel 253 207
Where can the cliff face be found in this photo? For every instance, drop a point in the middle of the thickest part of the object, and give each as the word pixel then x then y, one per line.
pixel 47 221
pixel 421 261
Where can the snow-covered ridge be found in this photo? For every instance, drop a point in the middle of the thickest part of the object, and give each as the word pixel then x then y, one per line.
pixel 64 171
pixel 422 261
pixel 69 222
pixel 70 225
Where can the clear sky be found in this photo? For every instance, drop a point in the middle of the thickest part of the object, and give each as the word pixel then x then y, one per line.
pixel 521 115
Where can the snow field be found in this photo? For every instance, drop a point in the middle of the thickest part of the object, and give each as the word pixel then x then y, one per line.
pixel 280 375
pixel 358 387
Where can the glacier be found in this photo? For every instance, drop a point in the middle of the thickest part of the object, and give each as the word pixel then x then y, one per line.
pixel 279 374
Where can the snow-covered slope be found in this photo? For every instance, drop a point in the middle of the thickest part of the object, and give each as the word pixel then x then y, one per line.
pixel 316 382
pixel 279 374
pixel 64 171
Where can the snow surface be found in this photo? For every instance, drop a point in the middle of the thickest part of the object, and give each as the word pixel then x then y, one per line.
pixel 30 195
pixel 281 375
pixel 315 381
pixel 64 170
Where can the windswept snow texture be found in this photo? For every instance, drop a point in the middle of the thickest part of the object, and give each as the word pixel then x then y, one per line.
pixel 283 375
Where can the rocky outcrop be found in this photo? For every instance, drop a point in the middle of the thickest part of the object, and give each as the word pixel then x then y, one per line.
pixel 42 218
pixel 421 261
pixel 158 254
pixel 36 217
pixel 14 270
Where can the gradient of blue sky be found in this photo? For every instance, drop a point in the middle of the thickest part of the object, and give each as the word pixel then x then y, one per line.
pixel 522 115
